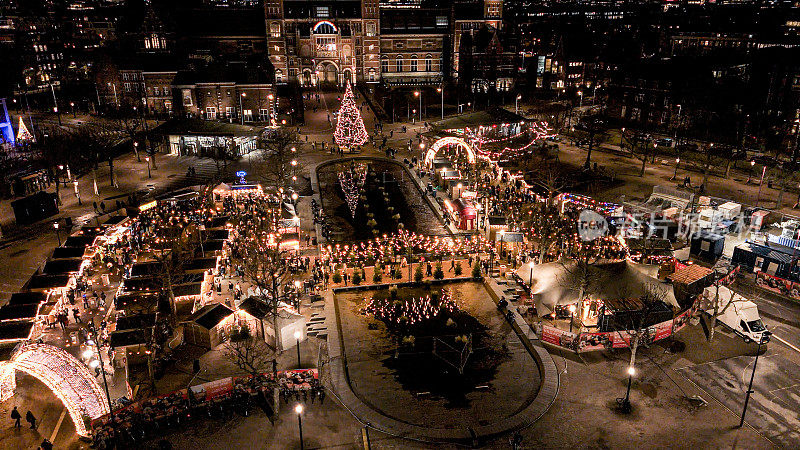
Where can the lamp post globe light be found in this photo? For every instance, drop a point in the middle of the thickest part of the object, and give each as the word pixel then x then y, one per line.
pixel 297 335
pixel 625 403
pixel 298 409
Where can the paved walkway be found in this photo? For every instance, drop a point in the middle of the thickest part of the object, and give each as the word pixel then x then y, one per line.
pixel 372 418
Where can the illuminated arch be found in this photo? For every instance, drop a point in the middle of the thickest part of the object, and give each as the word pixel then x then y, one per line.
pixel 323 23
pixel 68 378
pixel 446 141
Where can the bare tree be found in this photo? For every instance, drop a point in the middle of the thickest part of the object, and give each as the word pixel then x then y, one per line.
pixel 249 354
pixel 545 226
pixel 129 121
pixel 264 264
pixel 275 168
pixel 717 302
pixel 635 326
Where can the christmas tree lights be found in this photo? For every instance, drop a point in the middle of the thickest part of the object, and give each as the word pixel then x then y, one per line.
pixel 352 181
pixel 350 131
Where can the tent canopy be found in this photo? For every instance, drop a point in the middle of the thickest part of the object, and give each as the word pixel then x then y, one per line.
pixel 558 283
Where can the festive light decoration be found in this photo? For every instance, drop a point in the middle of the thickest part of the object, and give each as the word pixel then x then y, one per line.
pixel 446 141
pixel 395 312
pixel 67 377
pixel 350 131
pixel 22 133
pixel 352 181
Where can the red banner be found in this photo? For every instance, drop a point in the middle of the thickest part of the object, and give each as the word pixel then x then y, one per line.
pixel 778 285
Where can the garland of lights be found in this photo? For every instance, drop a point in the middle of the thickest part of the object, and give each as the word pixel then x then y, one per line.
pixel 409 312
pixel 69 379
pixel 352 181
pixel 350 131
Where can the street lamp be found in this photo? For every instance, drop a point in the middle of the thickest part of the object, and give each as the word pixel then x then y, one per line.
pixel 298 409
pixel 675 175
pixel 571 315
pixel 72 105
pixel 625 403
pixel 441 91
pixel 750 175
pixel 241 110
pixel 459 186
pixel 516 103
pixel 297 335
pixel 580 104
pixel 621 136
pixel 764 335
pixel 147 158
pixel 419 94
pixel 761 184
pixel 58 234
pixel 274 113
pixel 102 369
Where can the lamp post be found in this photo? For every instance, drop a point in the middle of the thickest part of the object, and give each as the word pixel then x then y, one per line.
pixel 625 403
pixel 764 335
pixel 58 234
pixel 274 113
pixel 102 369
pixel 55 103
pixel 761 184
pixel 571 316
pixel 441 91
pixel 299 411
pixel 77 192
pixel 580 103
pixel 621 136
pixel 297 335
pixel 419 94
pixel 516 104
pixel 675 175
pixel 147 158
pixel 72 105
pixel 241 110
pixel 459 186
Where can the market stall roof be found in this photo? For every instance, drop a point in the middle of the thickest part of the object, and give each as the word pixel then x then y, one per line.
pixel 497 221
pixel 217 221
pixel 690 274
pixel 213 245
pixel 217 234
pixel 134 299
pixel 62 266
pixel 115 220
pixel 135 321
pixel 478 118
pixel 145 269
pixel 510 236
pixel 79 241
pixel 126 338
pixel 200 264
pixel 182 290
pixel 68 252
pixel 27 298
pixel 557 283
pixel 44 282
pixel 200 127
pixel 210 316
pixel 15 331
pixel 17 312
pixel 255 307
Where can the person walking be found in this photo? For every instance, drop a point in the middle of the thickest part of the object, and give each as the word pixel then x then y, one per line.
pixel 31 419
pixel 16 416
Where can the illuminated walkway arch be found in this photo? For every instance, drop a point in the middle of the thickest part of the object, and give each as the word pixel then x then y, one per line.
pixel 447 141
pixel 68 378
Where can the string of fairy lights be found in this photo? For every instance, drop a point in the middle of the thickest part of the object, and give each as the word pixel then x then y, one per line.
pixel 352 182
pixel 350 130
pixel 412 311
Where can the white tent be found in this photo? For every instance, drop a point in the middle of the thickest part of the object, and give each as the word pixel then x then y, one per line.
pixel 558 283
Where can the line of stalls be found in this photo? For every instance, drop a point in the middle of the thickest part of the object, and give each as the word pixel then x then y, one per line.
pixel 44 295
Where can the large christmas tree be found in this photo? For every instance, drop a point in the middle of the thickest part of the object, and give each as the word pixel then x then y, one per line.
pixel 350 130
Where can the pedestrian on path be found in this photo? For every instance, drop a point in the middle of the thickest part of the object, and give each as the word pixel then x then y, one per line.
pixel 76 314
pixel 46 444
pixel 16 416
pixel 29 417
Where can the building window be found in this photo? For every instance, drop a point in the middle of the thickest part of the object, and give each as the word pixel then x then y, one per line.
pixel 248 115
pixel 428 63
pixel 414 63
pixel 322 11
pixel 398 64
pixel 127 87
pixel 279 76
pixel 263 114
pixel 211 112
pixel 229 111
pixel 441 21
pixel 385 65
pixel 371 74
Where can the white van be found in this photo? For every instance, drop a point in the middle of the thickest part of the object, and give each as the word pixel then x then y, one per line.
pixel 737 313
